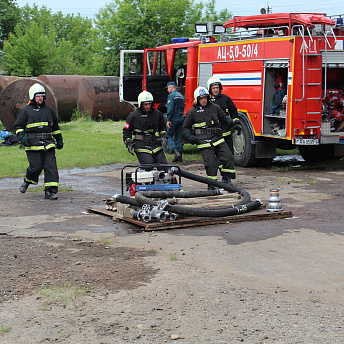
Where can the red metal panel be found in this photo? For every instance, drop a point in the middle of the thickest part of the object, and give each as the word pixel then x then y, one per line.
pixel 237 66
pixel 246 50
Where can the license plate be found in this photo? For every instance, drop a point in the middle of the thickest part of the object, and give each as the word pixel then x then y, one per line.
pixel 306 141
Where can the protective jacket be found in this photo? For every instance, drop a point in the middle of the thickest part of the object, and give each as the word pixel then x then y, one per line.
pixel 39 125
pixel 205 121
pixel 228 106
pixel 147 128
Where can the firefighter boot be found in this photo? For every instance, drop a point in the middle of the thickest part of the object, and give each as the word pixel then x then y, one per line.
pixel 226 180
pixel 50 195
pixel 24 187
pixel 177 156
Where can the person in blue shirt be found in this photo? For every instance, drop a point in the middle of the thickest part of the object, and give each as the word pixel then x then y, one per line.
pixel 175 120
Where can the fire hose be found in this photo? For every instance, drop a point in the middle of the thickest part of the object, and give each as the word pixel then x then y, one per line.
pixel 144 198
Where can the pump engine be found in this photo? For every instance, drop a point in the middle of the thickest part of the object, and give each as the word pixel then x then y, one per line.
pixel 332 109
pixel 142 180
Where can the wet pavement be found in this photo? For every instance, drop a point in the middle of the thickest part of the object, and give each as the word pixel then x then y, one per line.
pixel 313 196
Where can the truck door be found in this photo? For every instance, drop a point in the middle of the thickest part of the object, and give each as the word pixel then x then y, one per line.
pixel 131 75
pixel 155 77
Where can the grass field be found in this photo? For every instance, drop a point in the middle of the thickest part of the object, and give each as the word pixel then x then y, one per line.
pixel 90 143
pixel 86 143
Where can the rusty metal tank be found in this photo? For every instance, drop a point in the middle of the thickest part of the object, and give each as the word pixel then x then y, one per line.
pixel 6 80
pixel 99 95
pixel 65 88
pixel 16 95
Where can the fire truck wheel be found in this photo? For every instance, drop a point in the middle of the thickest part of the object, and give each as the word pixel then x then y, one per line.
pixel 244 150
pixel 317 153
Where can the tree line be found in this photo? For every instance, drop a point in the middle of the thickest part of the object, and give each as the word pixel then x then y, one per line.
pixel 36 41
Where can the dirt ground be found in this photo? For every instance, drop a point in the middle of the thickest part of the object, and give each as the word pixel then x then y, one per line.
pixel 68 276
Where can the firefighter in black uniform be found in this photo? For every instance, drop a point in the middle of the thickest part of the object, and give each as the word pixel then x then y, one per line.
pixel 149 129
pixel 226 103
pixel 204 117
pixel 37 129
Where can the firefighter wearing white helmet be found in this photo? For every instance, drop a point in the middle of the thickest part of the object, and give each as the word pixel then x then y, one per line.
pixel 227 105
pixel 144 132
pixel 38 130
pixel 201 127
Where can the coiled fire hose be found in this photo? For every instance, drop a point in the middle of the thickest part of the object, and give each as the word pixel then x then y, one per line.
pixel 147 197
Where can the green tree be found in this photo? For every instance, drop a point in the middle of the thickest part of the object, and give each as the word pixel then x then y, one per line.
pixel 27 53
pixel 209 13
pixel 138 24
pixel 51 43
pixel 9 17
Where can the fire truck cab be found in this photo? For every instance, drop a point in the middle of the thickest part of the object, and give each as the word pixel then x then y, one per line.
pixel 284 72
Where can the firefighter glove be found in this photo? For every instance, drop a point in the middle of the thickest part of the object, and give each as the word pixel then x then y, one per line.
pixel 189 136
pixel 59 143
pixel 23 139
pixel 237 127
pixel 192 139
pixel 164 144
pixel 130 145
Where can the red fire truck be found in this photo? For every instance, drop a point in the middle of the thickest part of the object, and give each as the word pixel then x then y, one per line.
pixel 298 55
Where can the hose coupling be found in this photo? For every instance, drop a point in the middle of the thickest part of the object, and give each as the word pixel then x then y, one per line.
pixel 260 202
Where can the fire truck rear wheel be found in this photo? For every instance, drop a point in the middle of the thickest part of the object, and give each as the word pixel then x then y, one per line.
pixel 317 153
pixel 244 150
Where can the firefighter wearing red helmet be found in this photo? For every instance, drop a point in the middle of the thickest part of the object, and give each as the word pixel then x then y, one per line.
pixel 37 129
pixel 227 105
pixel 148 127
pixel 201 127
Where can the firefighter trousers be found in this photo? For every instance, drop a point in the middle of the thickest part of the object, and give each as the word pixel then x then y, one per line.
pixel 218 157
pixel 175 134
pixel 229 142
pixel 43 160
pixel 146 156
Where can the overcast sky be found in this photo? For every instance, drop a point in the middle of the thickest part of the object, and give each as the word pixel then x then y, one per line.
pixel 87 8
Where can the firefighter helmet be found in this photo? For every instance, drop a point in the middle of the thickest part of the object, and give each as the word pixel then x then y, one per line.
pixel 36 89
pixel 200 92
pixel 145 97
pixel 214 80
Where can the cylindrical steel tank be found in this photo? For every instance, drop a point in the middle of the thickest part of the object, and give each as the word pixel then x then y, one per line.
pixel 6 80
pixel 65 88
pixel 100 96
pixel 16 95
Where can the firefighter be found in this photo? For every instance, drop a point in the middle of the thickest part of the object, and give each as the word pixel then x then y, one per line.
pixel 149 129
pixel 175 119
pixel 226 103
pixel 204 117
pixel 37 129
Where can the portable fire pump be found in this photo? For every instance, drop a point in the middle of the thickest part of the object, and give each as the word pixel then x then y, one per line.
pixel 146 178
pixel 300 53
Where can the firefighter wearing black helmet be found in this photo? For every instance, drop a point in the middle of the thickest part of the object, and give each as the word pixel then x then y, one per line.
pixel 203 119
pixel 144 132
pixel 37 129
pixel 227 105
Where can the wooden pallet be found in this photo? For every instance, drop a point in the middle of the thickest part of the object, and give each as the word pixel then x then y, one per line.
pixel 256 215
